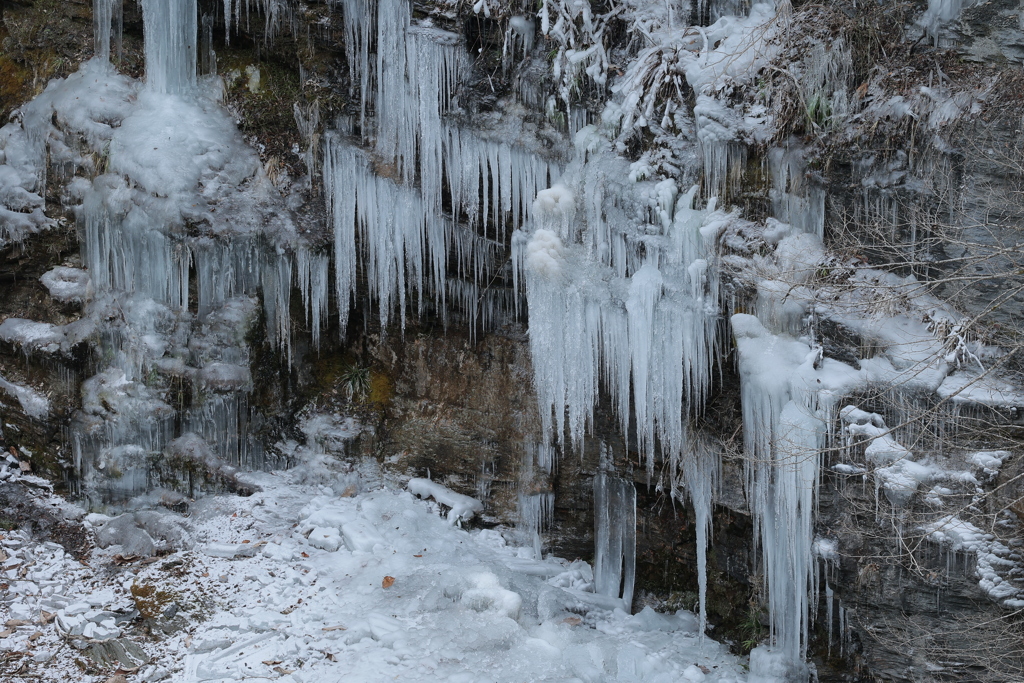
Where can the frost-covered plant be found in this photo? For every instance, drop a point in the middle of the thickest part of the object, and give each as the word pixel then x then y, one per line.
pixel 824 84
pixel 355 380
pixel 956 338
pixel 580 36
pixel 654 87
pixel 307 120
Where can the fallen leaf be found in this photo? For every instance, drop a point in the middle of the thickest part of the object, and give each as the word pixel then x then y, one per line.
pixel 334 628
pixel 8 632
pixel 3 557
pixel 388 582
pixel 305 554
pixel 15 623
pixel 572 621
pixel 35 636
pixel 704 668
pixel 283 671
pixel 417 556
pixel 330 657
pixel 118 678
pixel 150 560
pixel 46 617
pixel 271 662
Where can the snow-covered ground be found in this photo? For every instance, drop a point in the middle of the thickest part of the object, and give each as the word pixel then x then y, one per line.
pixel 297 583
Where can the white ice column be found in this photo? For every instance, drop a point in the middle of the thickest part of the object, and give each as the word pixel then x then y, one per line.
pixel 614 537
pixel 171 32
pixel 102 18
pixel 787 526
pixel 535 513
pixel 313 285
pixel 644 293
pixel 783 435
pixel 701 468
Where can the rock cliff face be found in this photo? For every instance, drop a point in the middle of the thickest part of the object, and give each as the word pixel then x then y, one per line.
pixel 920 174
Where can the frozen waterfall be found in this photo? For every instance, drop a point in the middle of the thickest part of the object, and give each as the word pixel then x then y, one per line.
pixel 171 31
pixel 437 213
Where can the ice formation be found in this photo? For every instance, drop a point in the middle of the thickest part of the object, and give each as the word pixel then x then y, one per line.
pixel 32 402
pixel 491 184
pixel 619 266
pixel 297 571
pixel 174 159
pixel 462 508
pixel 615 537
pixel 171 32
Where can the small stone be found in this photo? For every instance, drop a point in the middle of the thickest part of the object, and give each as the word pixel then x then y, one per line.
pixel 212 644
pixel 76 608
pixel 223 550
pixel 120 653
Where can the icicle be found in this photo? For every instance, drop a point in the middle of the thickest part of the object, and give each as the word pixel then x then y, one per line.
pixel 785 405
pixel 122 252
pixel 227 21
pixel 400 238
pixel 644 293
pixel 208 64
pixel 307 120
pixel 829 600
pixel 541 454
pixel 102 15
pixel 535 511
pixel 795 200
pixel 118 29
pixel 701 469
pixel 223 421
pixel 588 325
pixel 614 537
pixel 341 207
pixel 313 276
pixel 359 21
pixel 170 35
pixel 276 277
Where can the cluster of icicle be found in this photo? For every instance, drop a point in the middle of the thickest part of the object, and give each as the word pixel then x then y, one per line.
pixel 623 293
pixel 387 203
pixel 141 265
